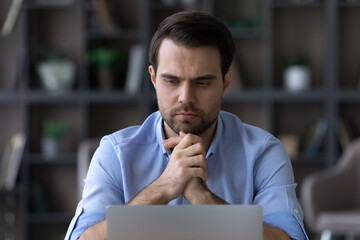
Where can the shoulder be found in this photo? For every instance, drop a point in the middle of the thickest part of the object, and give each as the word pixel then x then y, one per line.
pixel 236 130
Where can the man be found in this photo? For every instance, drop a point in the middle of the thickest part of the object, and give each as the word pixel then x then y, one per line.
pixel 190 152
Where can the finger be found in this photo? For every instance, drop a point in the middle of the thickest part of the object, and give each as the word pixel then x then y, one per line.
pixel 191 137
pixel 198 172
pixel 182 134
pixel 195 149
pixel 171 142
pixel 198 161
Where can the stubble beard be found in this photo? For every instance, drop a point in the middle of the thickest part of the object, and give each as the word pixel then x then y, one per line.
pixel 198 128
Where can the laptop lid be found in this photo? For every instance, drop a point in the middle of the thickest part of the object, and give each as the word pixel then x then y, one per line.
pixel 184 222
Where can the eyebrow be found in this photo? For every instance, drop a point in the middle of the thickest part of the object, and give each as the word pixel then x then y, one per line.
pixel 197 78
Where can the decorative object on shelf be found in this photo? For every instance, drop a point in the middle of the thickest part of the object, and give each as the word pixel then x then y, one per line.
pixel 135 69
pixel 56 74
pixel 105 60
pixel 297 75
pixel 105 20
pixel 11 17
pixel 314 138
pixel 249 24
pixel 291 144
pixel 53 132
pixel 10 162
pixel 345 133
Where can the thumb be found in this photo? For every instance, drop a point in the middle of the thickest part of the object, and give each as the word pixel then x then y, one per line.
pixel 182 134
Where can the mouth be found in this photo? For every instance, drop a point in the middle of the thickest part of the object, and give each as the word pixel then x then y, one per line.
pixel 187 116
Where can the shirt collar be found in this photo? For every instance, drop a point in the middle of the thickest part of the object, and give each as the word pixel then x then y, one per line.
pixel 160 136
pixel 217 137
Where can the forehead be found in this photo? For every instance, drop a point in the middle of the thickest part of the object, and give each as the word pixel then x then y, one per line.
pixel 171 53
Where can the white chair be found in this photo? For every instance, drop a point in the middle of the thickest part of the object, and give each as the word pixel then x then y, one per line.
pixel 85 152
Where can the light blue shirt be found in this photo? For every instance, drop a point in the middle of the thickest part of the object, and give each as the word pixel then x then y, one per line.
pixel 245 165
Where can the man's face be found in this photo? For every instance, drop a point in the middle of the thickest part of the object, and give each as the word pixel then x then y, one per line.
pixel 189 86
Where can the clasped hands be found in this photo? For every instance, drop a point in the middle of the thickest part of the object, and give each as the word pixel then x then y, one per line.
pixel 185 173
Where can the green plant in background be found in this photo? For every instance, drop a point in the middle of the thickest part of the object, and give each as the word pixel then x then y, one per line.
pixel 105 57
pixel 295 59
pixel 54 129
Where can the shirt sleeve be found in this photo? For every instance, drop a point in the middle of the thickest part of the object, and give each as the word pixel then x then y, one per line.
pixel 275 190
pixel 103 187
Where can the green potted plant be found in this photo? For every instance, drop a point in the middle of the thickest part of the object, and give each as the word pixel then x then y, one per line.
pixel 104 60
pixel 297 75
pixel 53 132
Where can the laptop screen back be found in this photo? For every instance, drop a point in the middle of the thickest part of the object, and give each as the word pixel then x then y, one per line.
pixel 184 222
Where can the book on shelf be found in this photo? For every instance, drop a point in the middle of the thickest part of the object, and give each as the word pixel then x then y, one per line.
pixel 11 160
pixel 291 144
pixel 344 133
pixel 315 137
pixel 105 20
pixel 135 69
pixel 11 17
pixel 236 81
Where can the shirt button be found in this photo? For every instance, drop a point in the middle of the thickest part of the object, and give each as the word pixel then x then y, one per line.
pixel 295 211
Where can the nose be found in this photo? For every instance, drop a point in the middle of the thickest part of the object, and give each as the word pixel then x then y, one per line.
pixel 186 93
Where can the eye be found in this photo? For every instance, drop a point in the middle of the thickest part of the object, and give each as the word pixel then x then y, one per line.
pixel 203 83
pixel 171 81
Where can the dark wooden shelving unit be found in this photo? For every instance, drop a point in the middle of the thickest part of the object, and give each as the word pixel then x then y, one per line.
pixel 326 31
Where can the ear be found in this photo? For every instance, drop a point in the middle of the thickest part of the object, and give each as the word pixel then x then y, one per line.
pixel 152 75
pixel 227 81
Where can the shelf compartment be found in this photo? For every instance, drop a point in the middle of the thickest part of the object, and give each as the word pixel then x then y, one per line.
pixel 348 49
pixel 348 123
pixel 299 31
pixel 250 113
pixel 53 30
pixel 67 113
pixel 48 230
pixel 107 118
pixel 11 122
pixel 249 62
pixel 11 67
pixel 299 120
pixel 111 16
pixel 52 189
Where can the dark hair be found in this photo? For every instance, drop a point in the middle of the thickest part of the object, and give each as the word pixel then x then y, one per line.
pixel 194 29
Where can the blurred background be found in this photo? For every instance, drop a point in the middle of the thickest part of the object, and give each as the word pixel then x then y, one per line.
pixel 73 70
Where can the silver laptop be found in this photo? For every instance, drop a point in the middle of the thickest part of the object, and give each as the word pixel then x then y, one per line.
pixel 184 222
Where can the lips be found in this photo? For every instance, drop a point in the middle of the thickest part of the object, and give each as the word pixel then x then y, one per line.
pixel 187 116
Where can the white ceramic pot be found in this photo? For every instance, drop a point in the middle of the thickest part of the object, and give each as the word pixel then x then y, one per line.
pixel 57 75
pixel 297 78
pixel 50 148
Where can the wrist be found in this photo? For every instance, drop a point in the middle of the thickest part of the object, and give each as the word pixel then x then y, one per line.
pixel 200 197
pixel 151 195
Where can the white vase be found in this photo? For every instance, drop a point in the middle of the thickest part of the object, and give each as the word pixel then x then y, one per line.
pixel 297 78
pixel 57 75
pixel 50 148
